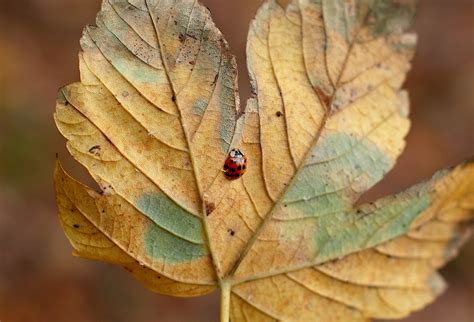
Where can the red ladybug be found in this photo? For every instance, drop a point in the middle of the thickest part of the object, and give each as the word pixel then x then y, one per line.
pixel 235 165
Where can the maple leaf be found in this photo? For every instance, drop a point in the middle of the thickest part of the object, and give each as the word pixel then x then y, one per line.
pixel 157 112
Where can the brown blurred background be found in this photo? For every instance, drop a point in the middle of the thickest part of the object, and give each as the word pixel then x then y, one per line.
pixel 41 281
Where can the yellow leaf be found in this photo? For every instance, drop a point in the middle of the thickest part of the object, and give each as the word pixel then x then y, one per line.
pixel 156 114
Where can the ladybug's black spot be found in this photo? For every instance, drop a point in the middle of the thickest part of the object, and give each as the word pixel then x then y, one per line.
pixel 228 174
pixel 232 169
pixel 239 168
pixel 236 175
pixel 226 167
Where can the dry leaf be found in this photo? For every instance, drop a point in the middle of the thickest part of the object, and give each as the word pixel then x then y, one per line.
pixel 157 112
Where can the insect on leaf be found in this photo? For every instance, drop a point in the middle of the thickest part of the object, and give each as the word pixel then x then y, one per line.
pixel 156 114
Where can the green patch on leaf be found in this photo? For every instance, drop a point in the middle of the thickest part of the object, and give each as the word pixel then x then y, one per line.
pixel 200 106
pixel 162 245
pixel 227 101
pixel 175 236
pixel 344 166
pixel 388 16
pixel 169 216
pixel 370 225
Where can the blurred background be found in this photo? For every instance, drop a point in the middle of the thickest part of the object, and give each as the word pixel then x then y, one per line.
pixel 41 281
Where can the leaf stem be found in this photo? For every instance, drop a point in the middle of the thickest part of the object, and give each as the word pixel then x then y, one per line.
pixel 225 301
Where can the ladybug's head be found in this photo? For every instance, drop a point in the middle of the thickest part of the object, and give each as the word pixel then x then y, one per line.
pixel 235 153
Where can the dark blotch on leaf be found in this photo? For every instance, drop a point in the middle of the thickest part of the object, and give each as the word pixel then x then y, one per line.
pixel 325 99
pixel 95 150
pixel 216 77
pixel 210 207
pixel 253 90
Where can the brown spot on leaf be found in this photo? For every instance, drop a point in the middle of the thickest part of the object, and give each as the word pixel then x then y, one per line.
pixel 325 99
pixel 191 36
pixel 231 232
pixel 215 79
pixel 279 114
pixel 95 150
pixel 210 207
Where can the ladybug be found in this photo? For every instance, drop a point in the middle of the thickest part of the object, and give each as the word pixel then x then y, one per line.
pixel 235 165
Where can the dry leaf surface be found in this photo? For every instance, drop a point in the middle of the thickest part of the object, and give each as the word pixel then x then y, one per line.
pixel 157 111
